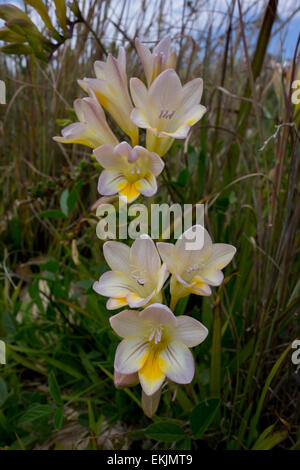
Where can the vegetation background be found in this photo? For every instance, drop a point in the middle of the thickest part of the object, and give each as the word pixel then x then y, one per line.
pixel 56 390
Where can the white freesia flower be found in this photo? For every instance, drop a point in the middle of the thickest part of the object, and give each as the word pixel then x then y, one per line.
pixel 161 58
pixel 111 89
pixel 128 171
pixel 92 130
pixel 193 271
pixel 167 110
pixel 136 277
pixel 156 345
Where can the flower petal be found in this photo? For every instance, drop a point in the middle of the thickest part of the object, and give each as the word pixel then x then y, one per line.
pixel 139 118
pixel 221 255
pixel 145 258
pixel 151 375
pixel 193 246
pixel 159 313
pixel 192 93
pixel 110 182
pixel 212 276
pixel 167 253
pixel 190 331
pixel 135 300
pixel 177 362
pixel 151 159
pixel 131 355
pixel 200 287
pixel 147 186
pixel 139 93
pixel 117 255
pixel 114 284
pixel 107 157
pixel 113 304
pixel 127 323
pixel 163 46
pixel 128 191
pixel 166 91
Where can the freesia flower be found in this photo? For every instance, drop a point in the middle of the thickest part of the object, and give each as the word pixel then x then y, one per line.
pixel 128 171
pixel 92 130
pixel 167 110
pixel 136 275
pixel 194 270
pixel 156 345
pixel 160 59
pixel 111 89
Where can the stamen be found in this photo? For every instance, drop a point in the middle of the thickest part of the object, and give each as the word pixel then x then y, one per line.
pixel 156 333
pixel 139 280
pixel 166 114
pixel 158 336
pixel 191 270
pixel 152 335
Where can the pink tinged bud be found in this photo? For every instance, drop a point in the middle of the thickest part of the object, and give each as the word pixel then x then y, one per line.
pixel 92 129
pixel 160 59
pixel 111 90
pixel 150 403
pixel 125 380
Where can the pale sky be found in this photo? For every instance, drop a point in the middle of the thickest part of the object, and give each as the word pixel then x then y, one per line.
pixel 282 44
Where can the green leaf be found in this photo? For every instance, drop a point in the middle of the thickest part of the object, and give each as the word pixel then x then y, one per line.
pixel 52 213
pixel 267 441
pixel 202 415
pixel 255 419
pixel 54 389
pixel 15 230
pixel 11 12
pixel 9 323
pixel 10 36
pixel 3 391
pixel 24 28
pixel 183 177
pixel 41 9
pixel 35 413
pixel 64 201
pixel 58 418
pixel 165 431
pixel 17 49
pixel 72 199
pixel 61 13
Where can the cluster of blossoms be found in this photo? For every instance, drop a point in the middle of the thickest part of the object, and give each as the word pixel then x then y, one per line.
pixel 155 343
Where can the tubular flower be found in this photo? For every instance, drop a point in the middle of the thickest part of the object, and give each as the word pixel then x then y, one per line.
pixel 136 275
pixel 156 345
pixel 92 130
pixel 167 110
pixel 111 89
pixel 160 59
pixel 128 171
pixel 194 270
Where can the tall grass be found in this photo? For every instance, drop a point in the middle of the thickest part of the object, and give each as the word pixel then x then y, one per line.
pixel 57 381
